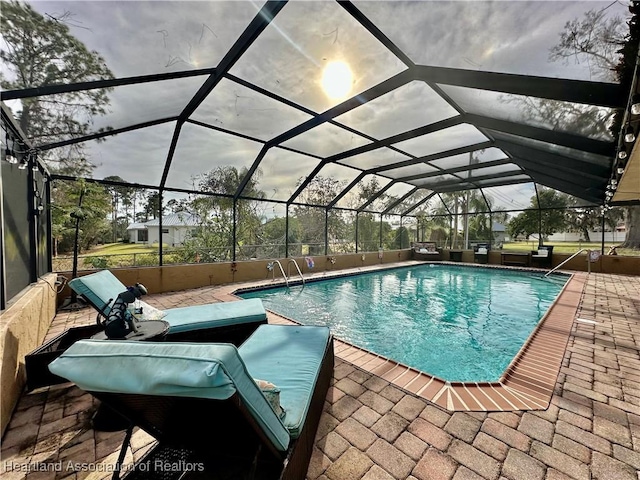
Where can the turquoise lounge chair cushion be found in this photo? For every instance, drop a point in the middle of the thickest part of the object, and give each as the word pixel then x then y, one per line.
pixel 99 288
pixel 223 314
pixel 102 286
pixel 201 370
pixel 289 357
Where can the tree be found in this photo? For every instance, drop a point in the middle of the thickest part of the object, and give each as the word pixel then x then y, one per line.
pixel 595 39
pixel 610 50
pixel 273 235
pixel 120 196
pixel 92 213
pixel 499 214
pixel 572 117
pixel 369 232
pixel 151 208
pixel 320 191
pixel 400 238
pixel 213 239
pixel 583 220
pixel 545 216
pixel 41 51
pixel 475 226
pixel 520 225
pixel 38 51
pixel 176 206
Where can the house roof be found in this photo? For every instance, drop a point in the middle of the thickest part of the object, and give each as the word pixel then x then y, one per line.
pixel 136 226
pixel 181 219
pixel 174 220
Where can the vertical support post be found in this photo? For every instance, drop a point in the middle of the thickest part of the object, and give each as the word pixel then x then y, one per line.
pixel 604 212
pixel 401 244
pixel 535 185
pixel 33 227
pixel 234 230
pixel 286 231
pixel 455 222
pixel 380 246
pixel 451 231
pixel 160 246
pixel 47 194
pixel 490 230
pixel 326 231
pixel 465 220
pixel 3 280
pixel 357 231
pixel 74 272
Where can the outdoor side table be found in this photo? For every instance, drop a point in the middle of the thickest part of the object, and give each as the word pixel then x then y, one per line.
pixel 455 255
pixel 148 331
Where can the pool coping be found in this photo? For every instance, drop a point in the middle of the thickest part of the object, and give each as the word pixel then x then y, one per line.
pixel 527 383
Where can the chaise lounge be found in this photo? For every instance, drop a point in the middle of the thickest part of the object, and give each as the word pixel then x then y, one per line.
pixel 230 322
pixel 202 401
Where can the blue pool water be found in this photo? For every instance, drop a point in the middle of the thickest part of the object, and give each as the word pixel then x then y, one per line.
pixel 458 323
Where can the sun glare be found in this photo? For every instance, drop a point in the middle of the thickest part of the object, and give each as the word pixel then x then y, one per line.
pixel 337 79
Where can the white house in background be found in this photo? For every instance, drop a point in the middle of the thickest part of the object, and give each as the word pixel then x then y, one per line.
pixel 175 229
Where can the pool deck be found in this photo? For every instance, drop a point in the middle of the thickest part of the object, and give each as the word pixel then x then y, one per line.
pixel 372 429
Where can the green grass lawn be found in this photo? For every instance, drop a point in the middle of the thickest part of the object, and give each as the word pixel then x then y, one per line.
pixel 122 249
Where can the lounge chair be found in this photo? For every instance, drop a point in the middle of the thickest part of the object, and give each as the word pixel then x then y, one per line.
pixel 202 403
pixel 481 253
pixel 542 257
pixel 230 322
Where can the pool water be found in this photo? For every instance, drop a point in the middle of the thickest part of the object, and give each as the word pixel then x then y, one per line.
pixel 457 323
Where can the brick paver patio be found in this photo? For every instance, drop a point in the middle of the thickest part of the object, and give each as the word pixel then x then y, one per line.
pixel 372 430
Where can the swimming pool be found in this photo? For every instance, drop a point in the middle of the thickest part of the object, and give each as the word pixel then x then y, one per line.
pixel 458 323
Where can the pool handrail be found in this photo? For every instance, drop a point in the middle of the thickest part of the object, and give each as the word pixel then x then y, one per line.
pixel 292 260
pixel 572 256
pixel 277 262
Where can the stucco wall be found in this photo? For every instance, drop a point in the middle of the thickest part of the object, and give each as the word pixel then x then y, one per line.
pixel 182 277
pixel 23 326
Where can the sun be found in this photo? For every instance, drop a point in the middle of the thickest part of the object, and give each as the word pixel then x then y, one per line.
pixel 337 79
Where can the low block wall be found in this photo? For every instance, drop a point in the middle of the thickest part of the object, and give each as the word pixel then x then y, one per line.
pixel 23 326
pixel 616 264
pixel 183 277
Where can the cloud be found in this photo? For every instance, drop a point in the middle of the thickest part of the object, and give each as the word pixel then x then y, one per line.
pixel 137 38
pixel 500 36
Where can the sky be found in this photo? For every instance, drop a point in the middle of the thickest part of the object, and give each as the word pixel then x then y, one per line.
pixel 138 38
